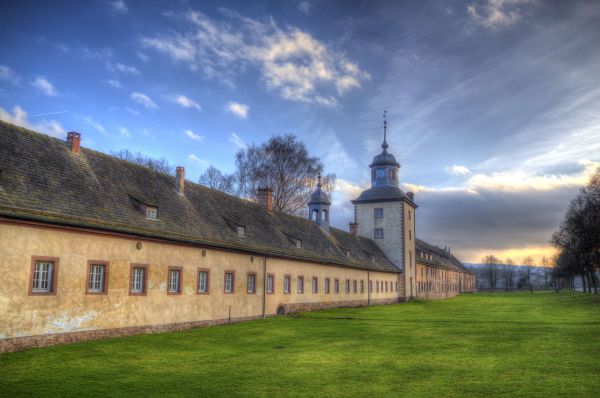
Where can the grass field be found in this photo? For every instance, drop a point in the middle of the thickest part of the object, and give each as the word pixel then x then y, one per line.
pixel 545 344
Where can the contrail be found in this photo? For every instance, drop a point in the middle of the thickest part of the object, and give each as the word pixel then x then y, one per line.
pixel 48 114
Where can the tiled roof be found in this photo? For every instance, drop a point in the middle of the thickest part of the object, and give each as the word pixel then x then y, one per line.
pixel 42 180
pixel 440 258
pixel 382 194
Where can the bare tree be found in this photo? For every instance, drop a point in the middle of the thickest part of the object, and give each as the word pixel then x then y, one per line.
pixel 528 263
pixel 161 165
pixel 578 238
pixel 284 165
pixel 215 179
pixel 545 263
pixel 508 274
pixel 491 270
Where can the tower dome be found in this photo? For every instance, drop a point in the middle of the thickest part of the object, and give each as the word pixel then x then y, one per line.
pixel 318 206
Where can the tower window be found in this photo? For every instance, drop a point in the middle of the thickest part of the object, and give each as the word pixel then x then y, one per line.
pixel 315 215
pixel 378 233
pixel 378 212
pixel 324 215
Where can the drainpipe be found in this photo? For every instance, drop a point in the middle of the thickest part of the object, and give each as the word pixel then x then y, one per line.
pixel 368 288
pixel 264 306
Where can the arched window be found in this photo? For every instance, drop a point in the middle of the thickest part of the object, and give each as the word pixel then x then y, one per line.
pixel 324 215
pixel 315 215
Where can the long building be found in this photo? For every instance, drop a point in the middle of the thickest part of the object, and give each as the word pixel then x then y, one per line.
pixel 93 246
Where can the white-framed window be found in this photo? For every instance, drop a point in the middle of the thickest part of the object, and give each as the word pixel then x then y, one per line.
pixel 270 283
pixel 327 287
pixel 378 212
pixel 241 230
pixel 174 281
pixel 354 285
pixel 203 281
pixel 97 278
pixel 287 282
pixel 315 285
pixel 300 288
pixel 347 286
pixel 251 285
pixel 151 212
pixel 336 286
pixel 362 286
pixel 229 282
pixel 138 280
pixel 378 232
pixel 43 274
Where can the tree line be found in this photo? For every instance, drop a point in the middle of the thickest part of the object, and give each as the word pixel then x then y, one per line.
pixel 578 239
pixel 282 164
pixel 497 274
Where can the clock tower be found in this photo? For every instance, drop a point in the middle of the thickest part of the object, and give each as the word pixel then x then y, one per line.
pixel 386 214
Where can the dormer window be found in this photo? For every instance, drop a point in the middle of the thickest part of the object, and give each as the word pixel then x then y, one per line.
pixel 295 241
pixel 241 230
pixel 347 253
pixel 298 243
pixel 151 212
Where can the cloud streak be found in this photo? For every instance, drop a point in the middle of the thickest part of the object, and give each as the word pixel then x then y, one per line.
pixel 44 85
pixel 292 63
pixel 144 100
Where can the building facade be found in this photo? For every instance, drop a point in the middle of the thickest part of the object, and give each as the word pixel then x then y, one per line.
pixel 92 246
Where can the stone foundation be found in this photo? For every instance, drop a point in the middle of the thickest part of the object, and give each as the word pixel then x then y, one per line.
pixel 47 340
pixel 298 307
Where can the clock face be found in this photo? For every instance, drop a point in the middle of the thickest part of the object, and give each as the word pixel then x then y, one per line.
pixel 380 173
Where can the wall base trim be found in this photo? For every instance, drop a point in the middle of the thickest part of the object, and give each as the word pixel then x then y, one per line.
pixel 46 340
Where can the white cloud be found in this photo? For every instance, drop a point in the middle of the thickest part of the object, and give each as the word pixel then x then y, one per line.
pixel 190 134
pixel 184 101
pixel 94 124
pixel 237 141
pixel 518 180
pixel 144 100
pixel 458 170
pixel 496 14
pixel 19 118
pixel 237 109
pixel 121 68
pixel 292 63
pixel 119 6
pixel 9 75
pixel 304 7
pixel 114 83
pixel 143 57
pixel 195 159
pixel 44 86
pixel 124 132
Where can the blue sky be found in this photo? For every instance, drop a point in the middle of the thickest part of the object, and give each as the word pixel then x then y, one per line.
pixel 494 106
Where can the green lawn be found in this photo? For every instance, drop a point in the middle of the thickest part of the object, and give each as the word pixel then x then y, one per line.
pixel 510 345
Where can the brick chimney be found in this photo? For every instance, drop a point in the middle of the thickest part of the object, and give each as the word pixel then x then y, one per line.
pixel 354 228
pixel 74 140
pixel 180 179
pixel 265 198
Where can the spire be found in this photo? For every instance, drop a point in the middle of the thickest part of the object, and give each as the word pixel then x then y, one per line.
pixel 384 145
pixel 319 185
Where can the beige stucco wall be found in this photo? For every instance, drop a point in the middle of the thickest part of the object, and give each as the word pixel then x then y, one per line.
pixel 435 282
pixel 72 310
pixel 392 243
pixel 409 255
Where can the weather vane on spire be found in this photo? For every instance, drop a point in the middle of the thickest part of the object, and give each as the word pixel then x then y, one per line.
pixel 384 145
pixel 319 181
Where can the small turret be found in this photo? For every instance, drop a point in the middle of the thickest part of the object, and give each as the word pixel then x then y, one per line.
pixel 318 207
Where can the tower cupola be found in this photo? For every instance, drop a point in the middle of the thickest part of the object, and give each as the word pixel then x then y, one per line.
pixel 318 206
pixel 385 168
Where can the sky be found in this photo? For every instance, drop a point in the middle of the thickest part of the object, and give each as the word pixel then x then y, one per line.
pixel 493 105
